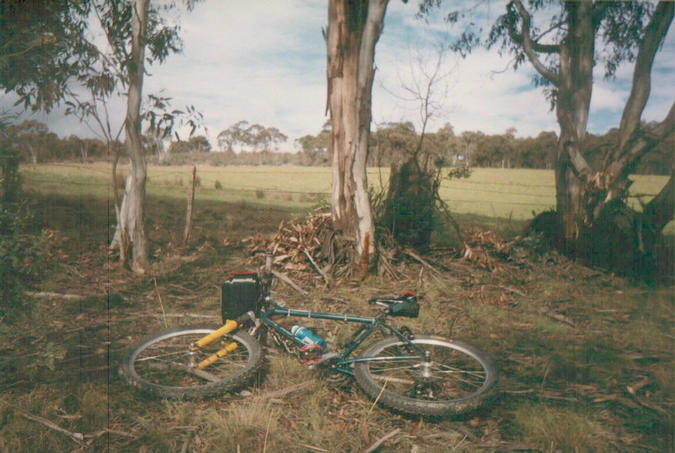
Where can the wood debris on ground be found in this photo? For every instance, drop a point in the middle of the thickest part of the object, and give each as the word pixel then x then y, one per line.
pixel 310 251
pixel 308 248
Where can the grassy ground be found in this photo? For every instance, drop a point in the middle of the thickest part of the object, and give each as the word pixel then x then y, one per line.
pixel 586 358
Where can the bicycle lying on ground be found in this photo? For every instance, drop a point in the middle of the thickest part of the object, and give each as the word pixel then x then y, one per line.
pixel 415 374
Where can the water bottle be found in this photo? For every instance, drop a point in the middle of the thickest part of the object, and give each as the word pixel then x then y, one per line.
pixel 308 337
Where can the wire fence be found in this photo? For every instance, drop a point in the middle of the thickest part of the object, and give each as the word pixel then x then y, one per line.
pixel 500 194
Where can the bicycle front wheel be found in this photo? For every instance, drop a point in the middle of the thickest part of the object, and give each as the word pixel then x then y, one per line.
pixel 456 378
pixel 163 366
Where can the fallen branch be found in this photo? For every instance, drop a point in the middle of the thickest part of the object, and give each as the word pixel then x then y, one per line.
pixel 313 448
pixel 287 390
pixel 513 290
pixel 284 278
pixel 186 315
pixel 78 438
pixel 382 440
pixel 316 266
pixel 634 388
pixel 421 260
pixel 561 318
pixel 105 431
pixel 50 295
pixel 161 304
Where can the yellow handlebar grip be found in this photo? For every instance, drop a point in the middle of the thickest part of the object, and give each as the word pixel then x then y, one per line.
pixel 210 338
pixel 209 360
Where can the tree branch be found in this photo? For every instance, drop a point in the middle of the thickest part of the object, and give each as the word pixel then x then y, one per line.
pixel 529 45
pixel 536 45
pixel 641 144
pixel 655 33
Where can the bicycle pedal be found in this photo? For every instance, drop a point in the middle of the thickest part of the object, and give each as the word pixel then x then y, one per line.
pixel 321 359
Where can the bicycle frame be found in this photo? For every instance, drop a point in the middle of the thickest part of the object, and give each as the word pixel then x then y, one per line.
pixel 369 325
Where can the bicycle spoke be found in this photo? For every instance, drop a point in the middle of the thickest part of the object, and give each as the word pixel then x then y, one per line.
pixel 155 357
pixel 451 369
pixel 161 362
pixel 451 374
pixel 380 368
pixel 388 379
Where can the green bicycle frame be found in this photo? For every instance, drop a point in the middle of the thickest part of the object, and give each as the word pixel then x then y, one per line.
pixel 369 325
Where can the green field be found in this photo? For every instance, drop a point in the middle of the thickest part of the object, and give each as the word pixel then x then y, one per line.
pixel 500 193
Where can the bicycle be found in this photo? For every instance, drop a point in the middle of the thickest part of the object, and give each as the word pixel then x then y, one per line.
pixel 415 374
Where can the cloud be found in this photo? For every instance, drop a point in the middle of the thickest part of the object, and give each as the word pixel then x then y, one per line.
pixel 264 61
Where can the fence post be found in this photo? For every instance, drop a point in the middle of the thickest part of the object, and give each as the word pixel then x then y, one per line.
pixel 191 200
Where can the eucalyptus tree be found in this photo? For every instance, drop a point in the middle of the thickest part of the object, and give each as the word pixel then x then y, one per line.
pixel 354 28
pixel 564 42
pixel 314 148
pixel 234 135
pixel 49 54
pixel 30 136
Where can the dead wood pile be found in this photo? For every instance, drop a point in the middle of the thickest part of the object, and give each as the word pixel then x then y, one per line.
pixel 308 248
pixel 311 251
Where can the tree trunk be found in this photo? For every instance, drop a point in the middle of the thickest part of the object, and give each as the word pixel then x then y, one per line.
pixel 120 238
pixel 353 30
pixel 132 215
pixel 575 84
pixel 591 211
pixel 582 193
pixel 83 152
pixel 33 154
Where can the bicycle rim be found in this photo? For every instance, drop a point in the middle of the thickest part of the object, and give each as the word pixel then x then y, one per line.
pixel 459 377
pixel 163 364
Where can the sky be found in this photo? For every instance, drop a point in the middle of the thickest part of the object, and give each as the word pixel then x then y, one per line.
pixel 265 62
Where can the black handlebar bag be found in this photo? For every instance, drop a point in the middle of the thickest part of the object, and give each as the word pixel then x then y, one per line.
pixel 240 294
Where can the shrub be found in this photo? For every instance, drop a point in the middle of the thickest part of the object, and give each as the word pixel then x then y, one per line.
pixel 20 257
pixel 20 252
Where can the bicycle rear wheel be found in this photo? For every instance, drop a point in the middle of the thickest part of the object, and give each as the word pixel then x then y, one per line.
pixel 160 363
pixel 458 378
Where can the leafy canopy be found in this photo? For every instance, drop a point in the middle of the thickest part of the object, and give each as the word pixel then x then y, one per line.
pixel 50 48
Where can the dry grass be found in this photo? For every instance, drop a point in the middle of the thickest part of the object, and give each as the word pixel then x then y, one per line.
pixel 561 429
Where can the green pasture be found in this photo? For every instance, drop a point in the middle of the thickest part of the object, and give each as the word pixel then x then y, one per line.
pixel 495 193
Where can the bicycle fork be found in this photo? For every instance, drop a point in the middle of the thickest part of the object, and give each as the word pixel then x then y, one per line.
pixel 228 327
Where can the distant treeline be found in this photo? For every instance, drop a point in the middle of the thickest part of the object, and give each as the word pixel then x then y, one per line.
pixel 390 143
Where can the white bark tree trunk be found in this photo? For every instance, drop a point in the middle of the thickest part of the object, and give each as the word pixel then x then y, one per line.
pixel 132 212
pixel 33 154
pixel 353 31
